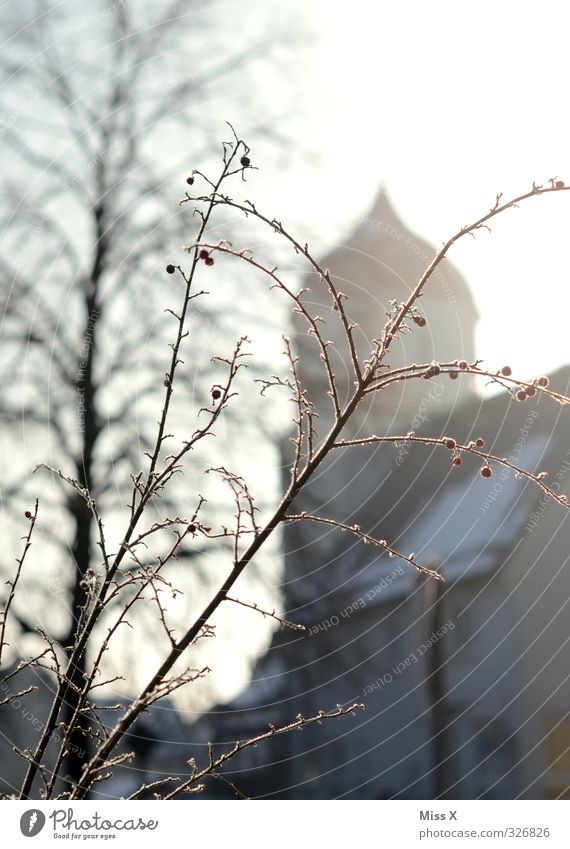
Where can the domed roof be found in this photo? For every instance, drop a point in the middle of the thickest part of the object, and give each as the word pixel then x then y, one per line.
pixel 382 262
pixel 383 236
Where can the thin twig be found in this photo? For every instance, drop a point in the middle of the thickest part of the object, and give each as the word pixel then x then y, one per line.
pixel 272 615
pixel 298 724
pixel 367 538
pixel 32 517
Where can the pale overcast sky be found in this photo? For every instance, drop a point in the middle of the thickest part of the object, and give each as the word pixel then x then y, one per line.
pixel 448 104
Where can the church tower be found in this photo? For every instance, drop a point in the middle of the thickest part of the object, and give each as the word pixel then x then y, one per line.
pixel 382 261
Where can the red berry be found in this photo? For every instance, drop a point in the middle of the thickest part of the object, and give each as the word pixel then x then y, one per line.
pixel 521 395
pixel 192 528
pixel 530 391
pixel 420 320
pixel 170 269
pixel 451 444
pixel 216 393
pixel 245 161
pixel 190 181
pixel 453 375
pixel 480 442
pixel 457 461
pixel 542 381
pixel 559 184
pixel 486 472
pixel 209 260
pixel 27 514
pixel 203 254
pixel 507 371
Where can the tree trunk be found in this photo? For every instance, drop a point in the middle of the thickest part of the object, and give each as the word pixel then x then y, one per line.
pixel 89 421
pixel 79 742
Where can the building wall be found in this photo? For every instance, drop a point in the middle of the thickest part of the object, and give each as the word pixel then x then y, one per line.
pixel 541 575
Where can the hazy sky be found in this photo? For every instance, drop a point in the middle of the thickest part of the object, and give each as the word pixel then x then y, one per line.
pixel 447 104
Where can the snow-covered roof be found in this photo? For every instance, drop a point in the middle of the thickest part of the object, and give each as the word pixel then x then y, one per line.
pixel 462 531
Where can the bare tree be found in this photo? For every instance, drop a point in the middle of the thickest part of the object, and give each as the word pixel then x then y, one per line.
pixel 98 126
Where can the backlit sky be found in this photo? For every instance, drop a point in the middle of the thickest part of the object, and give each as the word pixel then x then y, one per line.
pixel 448 104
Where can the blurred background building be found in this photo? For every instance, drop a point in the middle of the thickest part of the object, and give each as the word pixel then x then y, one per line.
pixel 465 684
